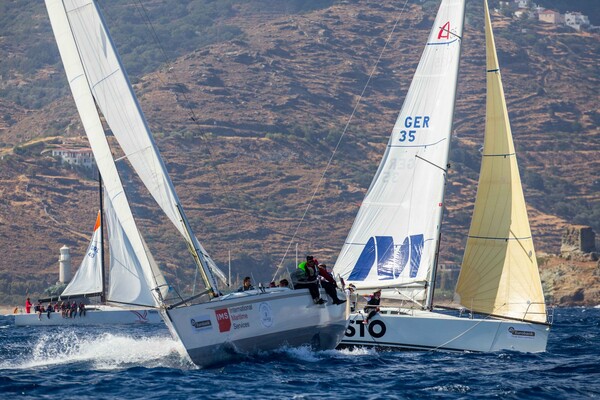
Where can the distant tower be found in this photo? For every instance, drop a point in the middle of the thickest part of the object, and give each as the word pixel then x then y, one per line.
pixel 64 261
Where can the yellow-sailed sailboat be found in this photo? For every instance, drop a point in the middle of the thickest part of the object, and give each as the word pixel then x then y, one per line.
pixel 393 243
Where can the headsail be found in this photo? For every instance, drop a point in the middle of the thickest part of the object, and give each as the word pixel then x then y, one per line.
pixel 99 64
pixel 93 127
pixel 126 272
pixel 88 278
pixel 393 241
pixel 499 273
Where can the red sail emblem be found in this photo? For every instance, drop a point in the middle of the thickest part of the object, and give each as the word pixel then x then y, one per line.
pixel 223 320
pixel 444 32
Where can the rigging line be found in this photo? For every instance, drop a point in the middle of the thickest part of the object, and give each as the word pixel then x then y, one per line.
pixel 429 162
pixel 489 316
pixel 280 266
pixel 222 181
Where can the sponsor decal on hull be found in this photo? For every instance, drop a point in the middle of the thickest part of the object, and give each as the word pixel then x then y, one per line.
pixel 234 317
pixel 376 329
pixel 201 323
pixel 516 333
pixel 266 315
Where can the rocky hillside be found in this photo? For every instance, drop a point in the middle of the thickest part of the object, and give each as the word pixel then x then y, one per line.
pixel 248 125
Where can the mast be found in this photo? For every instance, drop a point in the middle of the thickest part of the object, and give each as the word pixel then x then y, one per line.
pixel 433 274
pixel 102 260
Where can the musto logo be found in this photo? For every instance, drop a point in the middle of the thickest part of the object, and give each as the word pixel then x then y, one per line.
pixel 515 332
pixel 376 329
pixel 201 323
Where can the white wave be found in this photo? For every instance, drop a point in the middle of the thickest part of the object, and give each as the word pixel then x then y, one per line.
pixel 105 351
pixel 305 353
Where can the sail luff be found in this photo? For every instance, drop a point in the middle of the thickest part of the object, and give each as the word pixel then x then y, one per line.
pixel 90 120
pixel 499 273
pixel 393 241
pixel 114 95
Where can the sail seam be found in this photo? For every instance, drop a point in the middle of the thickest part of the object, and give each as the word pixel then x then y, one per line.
pixel 499 238
pixel 499 155
pixel 434 43
pixel 418 145
pixel 104 79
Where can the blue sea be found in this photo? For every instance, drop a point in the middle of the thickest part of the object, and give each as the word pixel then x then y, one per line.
pixel 144 362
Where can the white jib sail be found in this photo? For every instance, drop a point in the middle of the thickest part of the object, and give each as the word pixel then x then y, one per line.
pixel 115 98
pixel 393 241
pixel 126 273
pixel 88 278
pixel 95 133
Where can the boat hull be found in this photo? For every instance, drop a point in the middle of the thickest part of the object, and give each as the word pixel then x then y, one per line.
pixel 247 323
pixel 98 315
pixel 425 330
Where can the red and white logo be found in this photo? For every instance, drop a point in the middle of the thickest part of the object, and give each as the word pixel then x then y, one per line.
pixel 444 32
pixel 223 319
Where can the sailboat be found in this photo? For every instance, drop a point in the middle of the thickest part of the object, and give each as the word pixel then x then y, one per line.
pixel 213 328
pixel 117 297
pixel 394 241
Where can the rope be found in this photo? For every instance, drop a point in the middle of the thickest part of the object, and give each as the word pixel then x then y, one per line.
pixel 222 181
pixel 280 266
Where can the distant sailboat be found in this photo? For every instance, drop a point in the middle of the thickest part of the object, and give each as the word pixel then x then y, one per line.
pixel 212 328
pixel 394 241
pixel 117 293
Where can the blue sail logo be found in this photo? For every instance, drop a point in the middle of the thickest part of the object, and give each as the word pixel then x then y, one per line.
pixel 380 251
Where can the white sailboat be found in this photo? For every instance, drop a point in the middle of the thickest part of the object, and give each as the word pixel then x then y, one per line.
pixel 211 327
pixel 117 296
pixel 394 241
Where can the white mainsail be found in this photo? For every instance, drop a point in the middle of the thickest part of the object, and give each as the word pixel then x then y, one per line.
pixel 113 94
pixel 88 278
pixel 95 132
pixel 499 273
pixel 394 239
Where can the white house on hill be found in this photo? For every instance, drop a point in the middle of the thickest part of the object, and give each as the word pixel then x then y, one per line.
pixel 80 156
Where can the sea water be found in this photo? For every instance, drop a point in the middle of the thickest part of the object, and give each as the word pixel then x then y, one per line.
pixel 144 362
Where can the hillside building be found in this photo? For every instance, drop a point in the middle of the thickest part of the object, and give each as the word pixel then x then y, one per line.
pixel 551 17
pixel 576 20
pixel 80 157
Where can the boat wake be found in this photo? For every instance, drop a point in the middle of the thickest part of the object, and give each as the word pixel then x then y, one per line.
pixel 106 351
pixel 306 354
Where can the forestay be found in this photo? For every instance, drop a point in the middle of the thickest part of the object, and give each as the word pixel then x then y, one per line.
pixel 95 133
pixel 393 241
pixel 108 82
pixel 499 273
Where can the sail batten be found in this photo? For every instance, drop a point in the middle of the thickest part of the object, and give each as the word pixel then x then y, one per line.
pixel 393 242
pixel 499 273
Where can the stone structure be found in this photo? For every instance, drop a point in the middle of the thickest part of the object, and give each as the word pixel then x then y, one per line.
pixel 551 17
pixel 578 242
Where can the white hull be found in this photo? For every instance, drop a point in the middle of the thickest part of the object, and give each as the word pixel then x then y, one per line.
pixel 425 330
pixel 96 315
pixel 250 322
